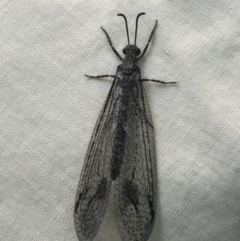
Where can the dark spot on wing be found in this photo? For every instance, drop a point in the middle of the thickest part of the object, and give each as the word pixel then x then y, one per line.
pixel 115 167
pixel 131 194
pixel 76 206
pixel 119 144
pixel 102 189
pixel 152 214
pixel 77 202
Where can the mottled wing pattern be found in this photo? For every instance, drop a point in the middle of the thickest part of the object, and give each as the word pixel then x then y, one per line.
pixel 135 190
pixel 95 180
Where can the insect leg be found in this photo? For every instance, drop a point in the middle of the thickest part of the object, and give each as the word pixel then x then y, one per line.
pixel 149 40
pixel 110 43
pixel 160 81
pixel 101 76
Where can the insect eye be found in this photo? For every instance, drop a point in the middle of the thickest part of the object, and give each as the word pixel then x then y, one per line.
pixel 138 51
pixel 124 51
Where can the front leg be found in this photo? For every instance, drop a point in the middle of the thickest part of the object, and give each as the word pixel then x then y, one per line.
pixel 101 76
pixel 149 40
pixel 110 43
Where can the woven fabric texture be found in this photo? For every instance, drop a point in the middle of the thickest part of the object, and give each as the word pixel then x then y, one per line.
pixel 48 109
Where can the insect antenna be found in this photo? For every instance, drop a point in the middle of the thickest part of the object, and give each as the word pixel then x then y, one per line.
pixel 120 14
pixel 135 41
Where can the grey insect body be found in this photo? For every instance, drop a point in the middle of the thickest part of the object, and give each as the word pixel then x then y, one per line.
pixel 121 152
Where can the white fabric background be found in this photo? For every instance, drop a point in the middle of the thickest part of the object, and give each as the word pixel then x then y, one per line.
pixel 49 108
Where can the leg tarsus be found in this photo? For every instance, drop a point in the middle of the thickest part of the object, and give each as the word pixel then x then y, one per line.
pixel 110 43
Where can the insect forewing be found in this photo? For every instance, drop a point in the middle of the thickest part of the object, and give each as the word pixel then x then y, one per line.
pixel 95 180
pixel 135 190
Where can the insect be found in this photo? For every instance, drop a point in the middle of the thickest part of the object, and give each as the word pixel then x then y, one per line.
pixel 121 154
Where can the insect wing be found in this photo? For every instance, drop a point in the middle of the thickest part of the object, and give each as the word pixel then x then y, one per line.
pixel 95 180
pixel 135 190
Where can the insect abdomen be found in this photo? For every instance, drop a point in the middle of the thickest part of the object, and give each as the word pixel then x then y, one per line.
pixel 120 133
